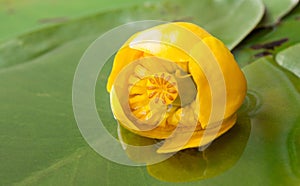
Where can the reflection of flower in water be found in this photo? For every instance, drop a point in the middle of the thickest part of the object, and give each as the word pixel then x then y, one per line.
pixel 191 164
pixel 157 88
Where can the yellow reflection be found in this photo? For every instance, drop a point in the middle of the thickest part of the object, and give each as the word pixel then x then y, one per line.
pixel 191 164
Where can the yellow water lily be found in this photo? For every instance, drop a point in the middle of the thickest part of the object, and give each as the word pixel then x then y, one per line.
pixel 165 81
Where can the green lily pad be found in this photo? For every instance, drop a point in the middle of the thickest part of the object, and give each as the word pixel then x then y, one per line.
pixel 46 136
pixel 40 141
pixel 276 9
pixel 276 92
pixel 25 16
pixel 294 149
pixel 290 59
pixel 212 15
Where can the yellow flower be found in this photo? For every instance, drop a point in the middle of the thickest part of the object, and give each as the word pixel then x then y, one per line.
pixel 161 86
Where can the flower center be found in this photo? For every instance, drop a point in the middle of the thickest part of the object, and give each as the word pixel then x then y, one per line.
pixel 162 87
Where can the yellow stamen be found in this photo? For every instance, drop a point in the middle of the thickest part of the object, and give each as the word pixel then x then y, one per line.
pixel 162 87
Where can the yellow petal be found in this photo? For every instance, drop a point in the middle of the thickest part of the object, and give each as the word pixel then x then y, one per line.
pixel 235 80
pixel 196 139
pixel 163 40
pixel 124 56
